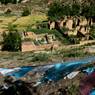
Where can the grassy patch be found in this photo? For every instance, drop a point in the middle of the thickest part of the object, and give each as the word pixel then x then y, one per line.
pixel 29 20
pixel 4 20
pixel 21 22
pixel 43 30
pixel 40 57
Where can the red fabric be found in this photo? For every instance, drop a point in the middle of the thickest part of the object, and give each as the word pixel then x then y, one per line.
pixel 87 84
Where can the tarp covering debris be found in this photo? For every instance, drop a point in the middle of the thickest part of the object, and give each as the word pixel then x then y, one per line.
pixel 89 70
pixel 56 72
pixel 59 71
pixel 72 75
pixel 52 72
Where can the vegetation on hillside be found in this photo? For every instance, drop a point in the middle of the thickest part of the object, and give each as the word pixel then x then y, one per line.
pixel 11 41
pixel 57 10
pixel 10 1
pixel 26 11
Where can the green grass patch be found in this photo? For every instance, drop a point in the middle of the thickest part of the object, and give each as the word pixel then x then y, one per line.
pixel 30 20
pixel 40 57
pixel 42 30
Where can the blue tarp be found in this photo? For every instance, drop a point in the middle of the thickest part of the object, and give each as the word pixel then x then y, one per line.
pixel 89 70
pixel 21 72
pixel 92 92
pixel 59 71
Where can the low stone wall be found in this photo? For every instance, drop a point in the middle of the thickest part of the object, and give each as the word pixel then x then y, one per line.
pixel 90 49
pixel 82 43
pixel 26 46
pixel 87 42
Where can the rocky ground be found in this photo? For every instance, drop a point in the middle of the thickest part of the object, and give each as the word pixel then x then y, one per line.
pixel 62 87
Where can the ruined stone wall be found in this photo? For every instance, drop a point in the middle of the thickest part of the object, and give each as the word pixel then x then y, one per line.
pixel 74 25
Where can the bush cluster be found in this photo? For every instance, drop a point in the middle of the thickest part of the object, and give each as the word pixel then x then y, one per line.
pixel 41 57
pixel 57 10
pixel 11 41
pixel 26 12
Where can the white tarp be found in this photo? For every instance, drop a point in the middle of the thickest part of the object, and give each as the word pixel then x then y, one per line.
pixel 72 75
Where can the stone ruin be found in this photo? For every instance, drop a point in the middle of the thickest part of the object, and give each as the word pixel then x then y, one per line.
pixel 75 26
pixel 38 41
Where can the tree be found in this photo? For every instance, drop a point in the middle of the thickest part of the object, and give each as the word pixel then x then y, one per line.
pixel 85 10
pixel 66 10
pixel 55 11
pixel 75 9
pixel 92 11
pixel 11 41
pixel 88 11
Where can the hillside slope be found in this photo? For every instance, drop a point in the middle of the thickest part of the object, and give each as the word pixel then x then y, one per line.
pixel 40 5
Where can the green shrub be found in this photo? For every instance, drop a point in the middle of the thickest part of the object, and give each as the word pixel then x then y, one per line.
pixel 60 36
pixel 26 12
pixel 75 10
pixel 72 89
pixel 55 11
pixel 11 41
pixel 42 30
pixel 11 27
pixel 92 31
pixel 58 10
pixel 40 57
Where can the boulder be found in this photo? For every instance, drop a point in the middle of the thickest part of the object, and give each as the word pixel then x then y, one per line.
pixel 83 22
pixel 69 24
pixel 84 30
pixel 51 25
pixel 62 23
